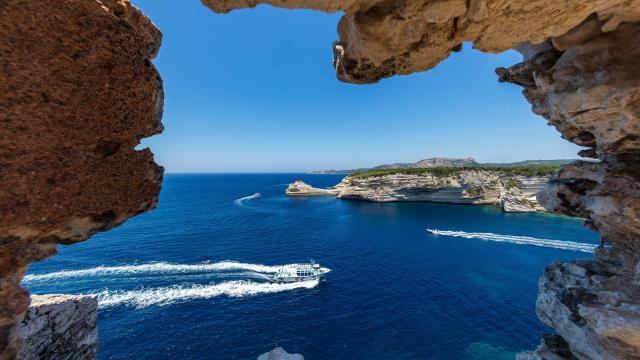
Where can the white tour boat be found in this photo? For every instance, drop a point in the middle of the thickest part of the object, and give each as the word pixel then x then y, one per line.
pixel 299 272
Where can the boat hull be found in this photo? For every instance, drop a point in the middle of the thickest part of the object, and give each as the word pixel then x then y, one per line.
pixel 295 279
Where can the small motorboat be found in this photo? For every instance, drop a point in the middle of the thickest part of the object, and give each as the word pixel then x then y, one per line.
pixel 299 272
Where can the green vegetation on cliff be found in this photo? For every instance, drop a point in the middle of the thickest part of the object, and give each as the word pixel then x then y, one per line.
pixel 443 171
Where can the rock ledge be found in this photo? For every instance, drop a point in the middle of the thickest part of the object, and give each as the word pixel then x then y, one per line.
pixel 60 327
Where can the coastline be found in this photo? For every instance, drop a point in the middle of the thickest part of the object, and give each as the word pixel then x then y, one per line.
pixel 513 190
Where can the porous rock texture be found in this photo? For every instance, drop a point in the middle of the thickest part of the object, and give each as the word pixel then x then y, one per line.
pixel 581 73
pixel 381 38
pixel 77 94
pixel 60 327
pixel 514 193
pixel 591 93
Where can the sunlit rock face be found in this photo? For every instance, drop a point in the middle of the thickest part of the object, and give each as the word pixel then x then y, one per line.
pixel 383 38
pixel 514 193
pixel 591 93
pixel 77 93
pixel 581 73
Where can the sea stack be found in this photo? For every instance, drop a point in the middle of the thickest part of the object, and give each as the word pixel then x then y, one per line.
pixel 300 188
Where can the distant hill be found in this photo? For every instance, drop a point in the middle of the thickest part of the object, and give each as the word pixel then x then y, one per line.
pixel 533 162
pixel 447 162
pixel 431 162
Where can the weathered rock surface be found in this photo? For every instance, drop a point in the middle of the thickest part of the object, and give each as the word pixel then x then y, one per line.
pixel 473 186
pixel 77 94
pixel 591 93
pixel 588 303
pixel 516 200
pixel 280 354
pixel 60 327
pixel 588 92
pixel 553 347
pixel 382 38
pixel 300 188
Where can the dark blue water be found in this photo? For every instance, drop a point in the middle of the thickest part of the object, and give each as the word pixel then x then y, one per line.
pixel 396 291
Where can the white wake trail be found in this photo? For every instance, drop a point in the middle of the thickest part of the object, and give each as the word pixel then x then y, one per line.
pixel 171 294
pixel 521 240
pixel 153 268
pixel 246 198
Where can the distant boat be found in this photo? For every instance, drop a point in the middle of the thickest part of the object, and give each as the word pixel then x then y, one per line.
pixel 299 272
pixel 243 199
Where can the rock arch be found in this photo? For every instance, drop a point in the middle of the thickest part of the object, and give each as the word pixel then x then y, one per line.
pixel 78 92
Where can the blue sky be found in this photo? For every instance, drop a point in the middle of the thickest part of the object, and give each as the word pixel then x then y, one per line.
pixel 254 91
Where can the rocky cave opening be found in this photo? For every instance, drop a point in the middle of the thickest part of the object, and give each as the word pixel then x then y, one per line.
pixel 79 92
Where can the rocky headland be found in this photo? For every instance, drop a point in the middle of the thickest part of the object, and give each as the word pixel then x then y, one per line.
pixel 300 188
pixel 513 189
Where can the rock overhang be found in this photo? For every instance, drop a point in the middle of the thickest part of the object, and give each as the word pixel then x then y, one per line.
pixel 379 39
pixel 79 92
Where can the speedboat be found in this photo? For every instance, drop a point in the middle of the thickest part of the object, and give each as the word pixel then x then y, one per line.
pixel 299 272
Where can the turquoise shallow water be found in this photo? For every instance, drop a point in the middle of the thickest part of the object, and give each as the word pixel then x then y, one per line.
pixel 187 280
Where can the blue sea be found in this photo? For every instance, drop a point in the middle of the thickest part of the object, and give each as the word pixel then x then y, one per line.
pixel 188 280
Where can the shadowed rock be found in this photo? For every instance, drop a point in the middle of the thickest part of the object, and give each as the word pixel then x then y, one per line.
pixel 77 94
pixel 60 327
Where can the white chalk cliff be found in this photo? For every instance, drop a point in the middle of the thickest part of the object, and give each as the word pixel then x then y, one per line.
pixel 472 186
pixel 514 193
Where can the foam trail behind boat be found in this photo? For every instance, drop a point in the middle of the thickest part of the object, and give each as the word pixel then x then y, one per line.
pixel 246 198
pixel 521 240
pixel 171 294
pixel 153 268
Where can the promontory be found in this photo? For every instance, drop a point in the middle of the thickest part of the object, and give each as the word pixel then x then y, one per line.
pixel 512 188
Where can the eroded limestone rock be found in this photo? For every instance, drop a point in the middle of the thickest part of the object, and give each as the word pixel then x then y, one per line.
pixel 591 93
pixel 77 94
pixel 300 188
pixel 589 303
pixel 382 38
pixel 588 92
pixel 280 354
pixel 514 193
pixel 60 327
pixel 516 200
